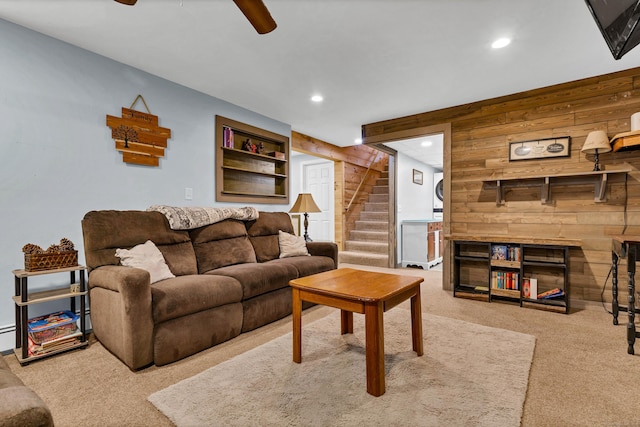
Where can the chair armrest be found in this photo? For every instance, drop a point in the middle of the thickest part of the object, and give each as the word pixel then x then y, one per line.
pixel 121 312
pixel 328 249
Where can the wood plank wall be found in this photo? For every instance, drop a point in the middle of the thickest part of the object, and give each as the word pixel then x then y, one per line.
pixel 480 137
pixel 350 165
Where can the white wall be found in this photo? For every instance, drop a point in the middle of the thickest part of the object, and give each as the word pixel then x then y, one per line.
pixel 414 201
pixel 58 158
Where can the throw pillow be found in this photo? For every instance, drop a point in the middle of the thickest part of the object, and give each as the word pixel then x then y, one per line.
pixel 291 245
pixel 147 257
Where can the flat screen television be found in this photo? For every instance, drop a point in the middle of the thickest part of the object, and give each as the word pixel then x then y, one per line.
pixel 618 23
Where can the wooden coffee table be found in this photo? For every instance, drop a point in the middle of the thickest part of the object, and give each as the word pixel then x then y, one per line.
pixel 365 292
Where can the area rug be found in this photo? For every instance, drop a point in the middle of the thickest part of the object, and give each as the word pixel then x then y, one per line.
pixel 470 375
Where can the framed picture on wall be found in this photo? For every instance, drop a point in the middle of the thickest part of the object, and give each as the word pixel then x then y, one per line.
pixel 417 177
pixel 539 149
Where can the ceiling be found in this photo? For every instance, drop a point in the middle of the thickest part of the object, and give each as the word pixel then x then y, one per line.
pixel 427 149
pixel 372 60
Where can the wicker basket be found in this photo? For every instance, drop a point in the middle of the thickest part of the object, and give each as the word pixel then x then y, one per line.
pixel 50 261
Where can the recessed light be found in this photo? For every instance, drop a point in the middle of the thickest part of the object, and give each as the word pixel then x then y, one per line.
pixel 426 143
pixel 317 98
pixel 358 141
pixel 500 43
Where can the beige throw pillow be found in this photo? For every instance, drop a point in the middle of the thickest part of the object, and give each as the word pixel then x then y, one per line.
pixel 291 245
pixel 147 257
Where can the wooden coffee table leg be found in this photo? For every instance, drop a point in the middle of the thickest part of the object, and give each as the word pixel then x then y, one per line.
pixel 416 323
pixel 346 322
pixel 297 325
pixel 374 327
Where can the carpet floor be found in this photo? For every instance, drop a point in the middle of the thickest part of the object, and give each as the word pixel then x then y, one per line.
pixel 470 375
pixel 581 374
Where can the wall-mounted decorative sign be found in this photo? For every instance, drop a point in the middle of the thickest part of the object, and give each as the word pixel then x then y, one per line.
pixel 417 177
pixel 138 136
pixel 539 149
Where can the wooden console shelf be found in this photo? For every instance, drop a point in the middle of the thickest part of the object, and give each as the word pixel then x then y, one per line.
pixel 598 178
pixel 501 269
pixel 246 176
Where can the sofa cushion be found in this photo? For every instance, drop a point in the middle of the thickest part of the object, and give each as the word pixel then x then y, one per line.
pixel 185 295
pixel 291 245
pixel 308 265
pixel 221 244
pixel 263 234
pixel 105 231
pixel 147 257
pixel 259 278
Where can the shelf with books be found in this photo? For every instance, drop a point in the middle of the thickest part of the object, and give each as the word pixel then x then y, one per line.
pixel 533 275
pixel 54 333
pixel 251 164
pixel 505 283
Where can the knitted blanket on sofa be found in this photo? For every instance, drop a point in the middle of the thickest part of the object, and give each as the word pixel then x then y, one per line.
pixel 186 218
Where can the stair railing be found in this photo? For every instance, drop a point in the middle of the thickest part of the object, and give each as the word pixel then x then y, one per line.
pixel 353 198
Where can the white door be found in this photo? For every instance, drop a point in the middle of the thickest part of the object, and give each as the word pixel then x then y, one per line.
pixel 318 180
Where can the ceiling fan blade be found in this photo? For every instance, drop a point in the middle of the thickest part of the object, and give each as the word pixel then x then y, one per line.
pixel 258 14
pixel 127 2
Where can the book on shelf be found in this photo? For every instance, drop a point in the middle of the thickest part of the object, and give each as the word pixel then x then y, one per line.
pixel 551 293
pixel 505 280
pixel 499 252
pixel 533 288
pixel 526 287
pixel 55 344
pixel 227 137
pixel 505 252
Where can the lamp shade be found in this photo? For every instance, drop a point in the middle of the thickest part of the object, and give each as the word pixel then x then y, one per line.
pixel 596 140
pixel 304 204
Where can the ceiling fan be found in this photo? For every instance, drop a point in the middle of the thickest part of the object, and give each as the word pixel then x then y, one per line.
pixel 255 11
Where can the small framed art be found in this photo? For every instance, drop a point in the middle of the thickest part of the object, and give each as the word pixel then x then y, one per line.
pixel 417 177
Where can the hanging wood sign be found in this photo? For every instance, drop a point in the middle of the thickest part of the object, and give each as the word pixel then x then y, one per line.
pixel 138 136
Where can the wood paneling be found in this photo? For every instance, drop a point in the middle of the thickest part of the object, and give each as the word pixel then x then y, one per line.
pixel 480 137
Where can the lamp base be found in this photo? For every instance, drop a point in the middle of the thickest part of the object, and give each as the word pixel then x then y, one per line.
pixel 306 225
pixel 596 164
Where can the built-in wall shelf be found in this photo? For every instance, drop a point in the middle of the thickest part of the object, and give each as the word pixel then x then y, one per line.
pixel 251 164
pixel 598 178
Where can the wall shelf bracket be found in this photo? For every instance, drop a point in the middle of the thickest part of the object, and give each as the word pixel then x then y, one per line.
pixel 599 179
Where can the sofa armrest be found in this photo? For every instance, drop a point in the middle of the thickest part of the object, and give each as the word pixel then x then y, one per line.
pixel 121 312
pixel 328 249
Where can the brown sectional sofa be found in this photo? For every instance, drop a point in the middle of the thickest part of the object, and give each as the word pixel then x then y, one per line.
pixel 19 405
pixel 229 280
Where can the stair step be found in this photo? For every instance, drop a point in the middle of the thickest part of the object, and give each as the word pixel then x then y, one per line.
pixel 382 182
pixel 379 198
pixel 384 174
pixel 372 225
pixel 376 207
pixel 369 247
pixel 374 216
pixel 380 189
pixel 370 236
pixel 363 258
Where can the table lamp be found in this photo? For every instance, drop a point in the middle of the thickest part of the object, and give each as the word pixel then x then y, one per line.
pixel 305 204
pixel 596 142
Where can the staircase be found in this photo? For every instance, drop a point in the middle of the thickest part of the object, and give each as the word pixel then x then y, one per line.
pixel 368 243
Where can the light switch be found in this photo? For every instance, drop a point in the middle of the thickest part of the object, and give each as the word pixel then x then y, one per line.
pixel 188 193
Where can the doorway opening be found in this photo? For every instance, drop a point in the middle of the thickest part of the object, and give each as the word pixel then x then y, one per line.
pixel 401 181
pixel 316 176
